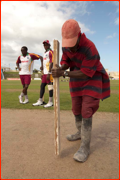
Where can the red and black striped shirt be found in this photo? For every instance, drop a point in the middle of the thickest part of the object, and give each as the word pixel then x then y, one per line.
pixel 87 60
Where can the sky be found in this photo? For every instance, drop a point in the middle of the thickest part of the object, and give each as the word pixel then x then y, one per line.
pixel 29 23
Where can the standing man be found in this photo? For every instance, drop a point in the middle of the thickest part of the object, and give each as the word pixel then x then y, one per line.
pixel 89 82
pixel 26 61
pixel 47 78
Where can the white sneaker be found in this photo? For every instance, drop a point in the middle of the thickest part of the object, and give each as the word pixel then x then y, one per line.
pixel 38 103
pixel 20 99
pixel 25 101
pixel 49 104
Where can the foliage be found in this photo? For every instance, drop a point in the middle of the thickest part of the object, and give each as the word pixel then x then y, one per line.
pixel 35 71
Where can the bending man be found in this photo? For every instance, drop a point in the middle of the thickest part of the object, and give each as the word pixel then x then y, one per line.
pixel 89 82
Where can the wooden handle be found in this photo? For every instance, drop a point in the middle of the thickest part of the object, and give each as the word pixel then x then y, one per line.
pixel 56 99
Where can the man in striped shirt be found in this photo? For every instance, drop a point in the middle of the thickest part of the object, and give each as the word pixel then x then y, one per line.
pixel 25 65
pixel 89 82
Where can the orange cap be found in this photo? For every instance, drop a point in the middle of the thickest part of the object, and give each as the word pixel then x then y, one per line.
pixel 70 31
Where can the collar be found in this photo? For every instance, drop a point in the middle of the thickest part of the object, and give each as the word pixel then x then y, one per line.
pixel 47 50
pixel 26 55
pixel 82 38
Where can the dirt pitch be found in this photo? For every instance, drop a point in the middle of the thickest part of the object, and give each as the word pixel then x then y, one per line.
pixel 27 146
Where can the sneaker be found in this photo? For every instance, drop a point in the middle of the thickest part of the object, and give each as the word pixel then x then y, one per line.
pixel 25 101
pixel 39 103
pixel 20 99
pixel 49 104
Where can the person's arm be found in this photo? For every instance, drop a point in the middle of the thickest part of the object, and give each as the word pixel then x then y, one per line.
pixel 51 64
pixel 64 67
pixel 41 58
pixel 91 61
pixel 88 66
pixel 17 63
pixel 37 57
pixel 65 64
pixel 50 67
pixel 58 71
pixel 76 74
pixel 51 61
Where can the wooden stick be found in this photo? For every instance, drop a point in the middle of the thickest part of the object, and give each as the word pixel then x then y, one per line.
pixel 56 99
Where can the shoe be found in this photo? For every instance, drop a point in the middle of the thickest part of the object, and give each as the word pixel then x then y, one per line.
pixel 26 101
pixel 77 135
pixel 73 137
pixel 20 99
pixel 39 103
pixel 83 152
pixel 49 104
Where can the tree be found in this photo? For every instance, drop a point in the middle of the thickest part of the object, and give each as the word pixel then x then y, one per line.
pixel 35 71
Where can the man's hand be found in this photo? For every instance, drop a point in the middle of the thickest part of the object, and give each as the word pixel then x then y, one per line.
pixel 41 72
pixel 48 77
pixel 19 69
pixel 57 72
pixel 41 68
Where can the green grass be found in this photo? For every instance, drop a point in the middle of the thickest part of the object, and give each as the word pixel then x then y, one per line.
pixel 16 75
pixel 10 91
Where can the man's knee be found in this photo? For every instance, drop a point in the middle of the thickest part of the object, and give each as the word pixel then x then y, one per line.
pixel 76 105
pixel 87 112
pixel 89 106
pixel 50 87
pixel 43 85
pixel 26 86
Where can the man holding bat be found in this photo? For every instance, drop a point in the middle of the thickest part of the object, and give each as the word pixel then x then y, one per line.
pixel 89 82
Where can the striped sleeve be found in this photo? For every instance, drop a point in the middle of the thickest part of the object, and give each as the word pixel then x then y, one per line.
pixel 91 61
pixel 65 59
pixel 34 56
pixel 51 56
pixel 18 60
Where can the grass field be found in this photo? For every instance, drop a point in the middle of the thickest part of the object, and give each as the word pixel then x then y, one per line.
pixel 10 91
pixel 16 75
